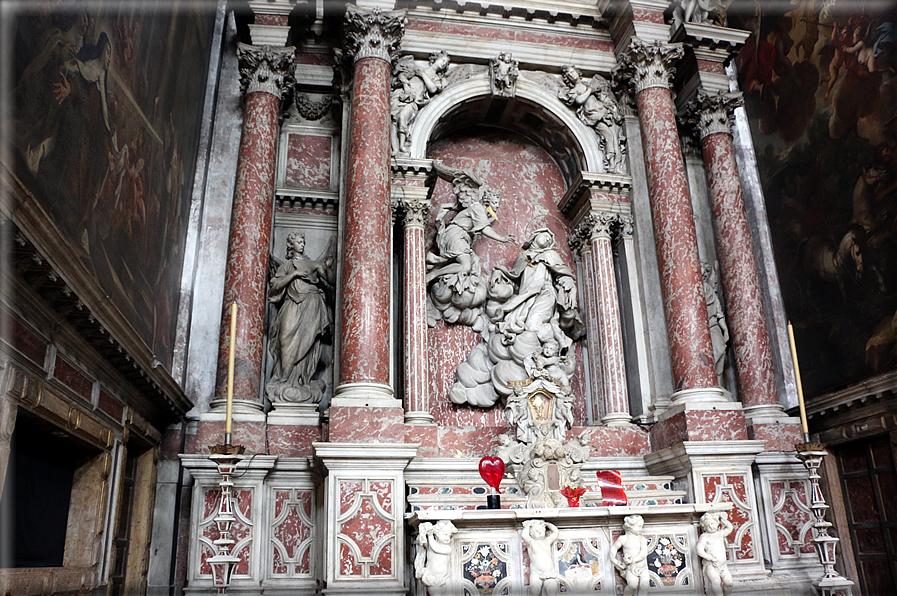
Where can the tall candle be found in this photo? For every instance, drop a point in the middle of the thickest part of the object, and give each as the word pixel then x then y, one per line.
pixel 800 389
pixel 230 375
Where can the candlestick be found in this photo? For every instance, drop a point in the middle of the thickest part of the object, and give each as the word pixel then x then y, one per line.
pixel 230 375
pixel 800 389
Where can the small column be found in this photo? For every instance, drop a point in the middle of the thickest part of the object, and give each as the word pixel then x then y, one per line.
pixel 607 365
pixel 266 74
pixel 411 198
pixel 372 40
pixel 713 116
pixel 648 71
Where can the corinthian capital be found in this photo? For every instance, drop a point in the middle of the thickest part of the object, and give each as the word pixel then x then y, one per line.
pixel 374 33
pixel 713 113
pixel 647 65
pixel 265 68
pixel 595 226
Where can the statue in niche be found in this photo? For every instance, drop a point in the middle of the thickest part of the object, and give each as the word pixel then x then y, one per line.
pixel 711 547
pixel 456 292
pixel 597 108
pixel 412 88
pixel 302 325
pixel 529 305
pixel 704 12
pixel 434 551
pixel 503 73
pixel 716 317
pixel 539 536
pixel 634 565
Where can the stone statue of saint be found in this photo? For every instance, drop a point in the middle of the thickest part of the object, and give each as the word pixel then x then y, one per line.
pixel 302 324
pixel 597 108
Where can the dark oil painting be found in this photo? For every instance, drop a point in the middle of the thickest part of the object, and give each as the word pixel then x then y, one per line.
pixel 820 86
pixel 108 100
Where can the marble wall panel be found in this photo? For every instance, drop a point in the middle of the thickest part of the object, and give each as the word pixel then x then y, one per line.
pixel 309 160
pixel 509 34
pixel 241 532
pixel 365 529
pixel 292 529
pixel 733 488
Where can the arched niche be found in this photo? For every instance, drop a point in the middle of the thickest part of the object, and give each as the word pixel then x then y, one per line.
pixel 534 112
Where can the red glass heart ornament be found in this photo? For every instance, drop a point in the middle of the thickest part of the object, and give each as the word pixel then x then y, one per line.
pixel 611 484
pixel 492 469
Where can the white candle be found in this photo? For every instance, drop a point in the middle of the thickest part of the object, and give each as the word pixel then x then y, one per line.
pixel 800 389
pixel 230 373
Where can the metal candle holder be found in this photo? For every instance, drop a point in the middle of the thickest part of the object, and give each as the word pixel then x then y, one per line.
pixel 831 583
pixel 226 457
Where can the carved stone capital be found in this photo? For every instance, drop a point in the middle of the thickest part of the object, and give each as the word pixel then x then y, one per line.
pixel 596 226
pixel 415 212
pixel 714 113
pixel 373 33
pixel 266 69
pixel 646 65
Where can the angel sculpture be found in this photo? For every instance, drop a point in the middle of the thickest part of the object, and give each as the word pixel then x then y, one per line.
pixel 453 272
pixel 597 108
pixel 302 325
pixel 431 565
pixel 705 12
pixel 412 88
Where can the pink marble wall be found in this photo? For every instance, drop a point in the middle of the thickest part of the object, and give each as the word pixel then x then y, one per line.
pixel 70 376
pixel 308 161
pixel 699 425
pixel 367 425
pixel 247 259
pixel 292 441
pixel 208 433
pixel 778 437
pixel 529 181
pixel 491 33
pixel 732 488
pixel 291 533
pixel 366 522
pixel 791 509
pixel 614 441
pixel 241 529
pixel 648 16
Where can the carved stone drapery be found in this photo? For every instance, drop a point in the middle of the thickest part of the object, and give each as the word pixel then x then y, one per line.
pixel 374 33
pixel 266 69
pixel 647 65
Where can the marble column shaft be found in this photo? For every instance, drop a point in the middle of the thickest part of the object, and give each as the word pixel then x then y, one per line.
pixel 417 407
pixel 250 231
pixel 373 39
pixel 648 69
pixel 607 365
pixel 744 305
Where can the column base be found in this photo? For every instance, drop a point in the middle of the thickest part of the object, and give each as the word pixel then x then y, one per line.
pixel 698 395
pixel 245 410
pixel 365 394
pixel 617 419
pixel 419 419
pixel 294 415
pixel 764 413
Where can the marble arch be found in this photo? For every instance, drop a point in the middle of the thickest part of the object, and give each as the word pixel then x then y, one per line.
pixel 587 156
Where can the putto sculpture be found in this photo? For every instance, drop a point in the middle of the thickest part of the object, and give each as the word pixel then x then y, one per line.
pixel 302 324
pixel 539 536
pixel 503 73
pixel 634 564
pixel 434 551
pixel 711 547
pixel 597 108
pixel 412 88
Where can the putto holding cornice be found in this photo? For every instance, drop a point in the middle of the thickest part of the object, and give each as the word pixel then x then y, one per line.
pixel 503 73
pixel 597 108
pixel 412 88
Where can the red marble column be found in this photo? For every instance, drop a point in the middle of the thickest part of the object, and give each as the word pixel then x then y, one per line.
pixel 648 70
pixel 372 39
pixel 713 116
pixel 606 347
pixel 267 73
pixel 417 408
